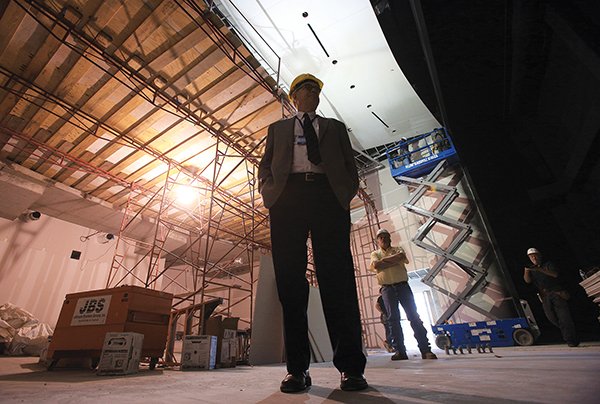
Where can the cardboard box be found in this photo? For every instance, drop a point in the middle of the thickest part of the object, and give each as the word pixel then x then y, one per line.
pixel 121 353
pixel 86 317
pixel 228 358
pixel 199 352
pixel 44 352
pixel 228 334
pixel 223 328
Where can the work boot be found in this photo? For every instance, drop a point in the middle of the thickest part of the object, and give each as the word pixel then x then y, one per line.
pixel 399 356
pixel 428 355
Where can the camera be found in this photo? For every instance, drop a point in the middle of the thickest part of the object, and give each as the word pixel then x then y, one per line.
pixel 34 215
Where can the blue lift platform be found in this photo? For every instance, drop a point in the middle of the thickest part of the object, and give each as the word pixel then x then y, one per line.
pixel 484 334
pixel 419 155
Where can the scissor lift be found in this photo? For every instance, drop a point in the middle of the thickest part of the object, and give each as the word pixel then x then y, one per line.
pixel 436 153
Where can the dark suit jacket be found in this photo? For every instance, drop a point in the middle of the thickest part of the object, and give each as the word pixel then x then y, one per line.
pixel 336 154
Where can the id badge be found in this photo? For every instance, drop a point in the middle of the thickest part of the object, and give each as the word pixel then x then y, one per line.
pixel 301 141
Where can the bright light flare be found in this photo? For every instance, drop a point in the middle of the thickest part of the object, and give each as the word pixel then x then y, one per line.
pixel 186 195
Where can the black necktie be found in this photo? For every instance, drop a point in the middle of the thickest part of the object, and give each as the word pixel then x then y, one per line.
pixel 312 142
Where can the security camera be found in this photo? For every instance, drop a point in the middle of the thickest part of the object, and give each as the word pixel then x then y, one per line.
pixel 30 215
pixel 34 215
pixel 104 238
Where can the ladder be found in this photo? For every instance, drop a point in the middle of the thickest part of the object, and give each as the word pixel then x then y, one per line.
pixel 477 274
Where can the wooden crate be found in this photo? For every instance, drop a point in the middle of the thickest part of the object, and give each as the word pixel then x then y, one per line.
pixel 86 317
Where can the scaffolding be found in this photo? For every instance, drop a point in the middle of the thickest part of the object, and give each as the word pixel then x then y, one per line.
pixel 199 252
pixel 362 244
pixel 202 253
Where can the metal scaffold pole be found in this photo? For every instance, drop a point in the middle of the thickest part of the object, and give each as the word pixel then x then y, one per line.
pixel 362 243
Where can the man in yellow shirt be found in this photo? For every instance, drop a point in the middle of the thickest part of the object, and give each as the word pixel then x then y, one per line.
pixel 389 264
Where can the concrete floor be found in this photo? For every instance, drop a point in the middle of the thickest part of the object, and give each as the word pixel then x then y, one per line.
pixel 544 374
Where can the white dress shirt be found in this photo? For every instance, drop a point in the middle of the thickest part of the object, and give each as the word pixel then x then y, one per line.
pixel 300 163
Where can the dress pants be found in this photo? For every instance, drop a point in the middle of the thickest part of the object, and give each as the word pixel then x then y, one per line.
pixel 311 207
pixel 402 293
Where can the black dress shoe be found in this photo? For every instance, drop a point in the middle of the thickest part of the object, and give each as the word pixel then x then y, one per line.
pixel 353 382
pixel 295 382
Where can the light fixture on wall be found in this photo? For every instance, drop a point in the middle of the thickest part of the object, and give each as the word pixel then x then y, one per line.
pixel 104 238
pixel 101 237
pixel 34 215
pixel 30 216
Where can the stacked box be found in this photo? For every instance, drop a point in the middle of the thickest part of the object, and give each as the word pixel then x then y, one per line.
pixel 591 285
pixel 121 353
pixel 229 334
pixel 86 317
pixel 44 352
pixel 223 328
pixel 229 344
pixel 199 352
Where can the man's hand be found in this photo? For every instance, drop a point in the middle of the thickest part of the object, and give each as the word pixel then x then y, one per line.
pixel 527 274
pixel 399 258
pixel 382 264
pixel 547 270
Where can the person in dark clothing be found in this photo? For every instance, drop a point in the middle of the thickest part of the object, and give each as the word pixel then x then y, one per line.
pixel 307 178
pixel 546 278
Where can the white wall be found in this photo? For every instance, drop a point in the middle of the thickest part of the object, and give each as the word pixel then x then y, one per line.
pixel 36 271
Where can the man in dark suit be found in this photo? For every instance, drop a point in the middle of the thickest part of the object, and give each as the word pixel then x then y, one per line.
pixel 307 178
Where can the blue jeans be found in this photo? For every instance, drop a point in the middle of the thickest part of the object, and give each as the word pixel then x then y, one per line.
pixel 401 293
pixel 388 329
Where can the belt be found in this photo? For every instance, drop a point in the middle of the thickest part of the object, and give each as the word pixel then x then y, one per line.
pixel 307 177
pixel 397 283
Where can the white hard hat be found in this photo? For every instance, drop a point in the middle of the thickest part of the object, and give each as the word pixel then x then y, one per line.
pixel 382 231
pixel 533 251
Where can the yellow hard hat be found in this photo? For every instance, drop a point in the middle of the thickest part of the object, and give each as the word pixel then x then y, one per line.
pixel 303 78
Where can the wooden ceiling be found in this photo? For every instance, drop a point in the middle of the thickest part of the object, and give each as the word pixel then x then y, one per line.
pixel 110 96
